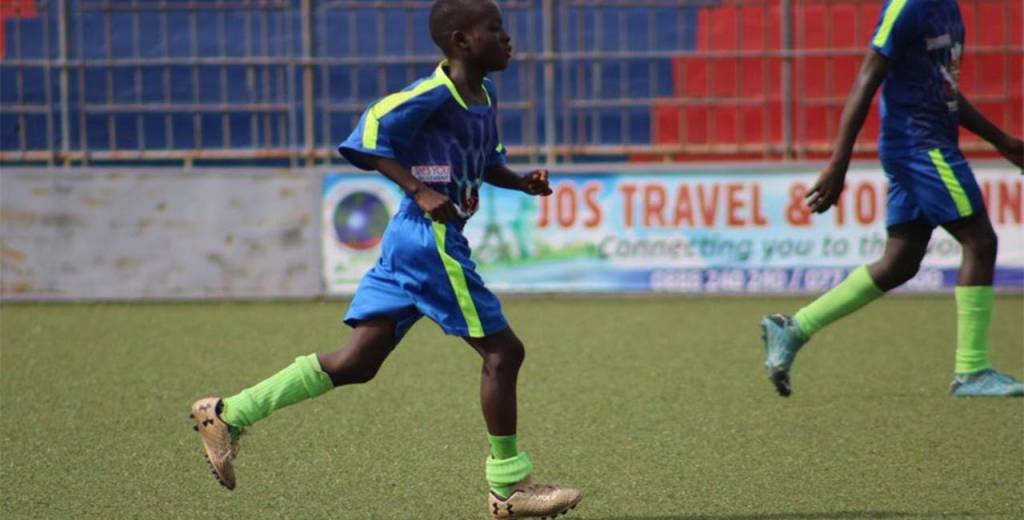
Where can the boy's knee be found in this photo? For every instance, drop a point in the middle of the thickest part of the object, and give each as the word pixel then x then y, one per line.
pixel 905 271
pixel 347 371
pixel 508 357
pixel 358 374
pixel 890 273
pixel 985 246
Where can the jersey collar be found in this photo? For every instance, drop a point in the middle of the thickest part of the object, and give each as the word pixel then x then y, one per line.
pixel 440 74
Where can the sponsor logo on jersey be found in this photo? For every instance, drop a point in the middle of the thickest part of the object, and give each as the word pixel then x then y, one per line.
pixel 939 42
pixel 434 173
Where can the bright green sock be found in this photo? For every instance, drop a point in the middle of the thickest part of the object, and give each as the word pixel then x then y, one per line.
pixel 856 291
pixel 303 379
pixel 503 446
pixel 973 316
pixel 502 474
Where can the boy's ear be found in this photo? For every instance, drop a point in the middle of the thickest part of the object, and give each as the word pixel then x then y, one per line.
pixel 460 40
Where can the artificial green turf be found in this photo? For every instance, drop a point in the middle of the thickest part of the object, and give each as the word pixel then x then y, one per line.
pixel 657 408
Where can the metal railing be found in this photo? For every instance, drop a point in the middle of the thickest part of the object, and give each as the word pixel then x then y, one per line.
pixel 92 81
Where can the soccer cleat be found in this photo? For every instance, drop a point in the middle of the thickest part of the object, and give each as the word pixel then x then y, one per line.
pixel 987 383
pixel 533 500
pixel 220 445
pixel 782 340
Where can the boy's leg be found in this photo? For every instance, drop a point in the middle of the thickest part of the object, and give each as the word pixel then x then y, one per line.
pixel 358 362
pixel 974 291
pixel 220 422
pixel 949 194
pixel 512 495
pixel 974 297
pixel 784 336
pixel 502 354
pixel 313 375
pixel 464 307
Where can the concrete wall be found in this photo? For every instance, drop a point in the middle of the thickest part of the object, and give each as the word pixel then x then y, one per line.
pixel 158 233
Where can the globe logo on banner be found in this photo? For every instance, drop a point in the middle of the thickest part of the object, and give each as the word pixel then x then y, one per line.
pixel 360 219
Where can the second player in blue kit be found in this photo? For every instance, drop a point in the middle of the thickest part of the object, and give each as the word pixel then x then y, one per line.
pixel 915 57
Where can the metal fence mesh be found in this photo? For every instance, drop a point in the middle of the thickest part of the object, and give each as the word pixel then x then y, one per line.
pixel 85 81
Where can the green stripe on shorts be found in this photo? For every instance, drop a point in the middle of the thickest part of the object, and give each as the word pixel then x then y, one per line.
pixel 963 204
pixel 458 280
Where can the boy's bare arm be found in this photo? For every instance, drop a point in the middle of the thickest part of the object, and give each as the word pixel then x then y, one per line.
pixel 829 185
pixel 533 183
pixel 431 202
pixel 1010 147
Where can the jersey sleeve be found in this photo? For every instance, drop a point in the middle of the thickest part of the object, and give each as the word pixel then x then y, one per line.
pixel 497 156
pixel 897 28
pixel 388 125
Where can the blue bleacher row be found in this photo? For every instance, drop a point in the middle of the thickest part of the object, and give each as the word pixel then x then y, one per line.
pixel 338 100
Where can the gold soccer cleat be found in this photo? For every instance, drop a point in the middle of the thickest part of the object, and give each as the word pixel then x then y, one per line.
pixel 532 500
pixel 221 448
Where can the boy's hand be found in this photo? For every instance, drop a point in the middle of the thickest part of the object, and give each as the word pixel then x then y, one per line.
pixel 828 187
pixel 536 183
pixel 436 205
pixel 1013 149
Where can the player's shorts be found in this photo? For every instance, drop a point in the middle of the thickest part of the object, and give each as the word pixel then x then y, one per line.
pixel 934 186
pixel 425 270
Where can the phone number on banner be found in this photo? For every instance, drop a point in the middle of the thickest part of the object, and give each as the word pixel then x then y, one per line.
pixel 790 280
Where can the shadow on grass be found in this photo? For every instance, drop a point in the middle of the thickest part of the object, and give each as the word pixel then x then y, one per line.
pixel 840 515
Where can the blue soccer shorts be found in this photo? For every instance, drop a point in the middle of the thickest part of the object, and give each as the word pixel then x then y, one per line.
pixel 425 270
pixel 935 186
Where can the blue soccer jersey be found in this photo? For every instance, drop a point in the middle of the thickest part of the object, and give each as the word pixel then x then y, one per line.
pixel 930 181
pixel 425 267
pixel 923 39
pixel 429 129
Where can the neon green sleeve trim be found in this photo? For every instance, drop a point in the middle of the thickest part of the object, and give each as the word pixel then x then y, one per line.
pixel 389 103
pixel 440 75
pixel 458 280
pixel 963 204
pixel 500 148
pixel 891 13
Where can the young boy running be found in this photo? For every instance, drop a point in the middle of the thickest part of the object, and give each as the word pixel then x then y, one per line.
pixel 915 55
pixel 438 140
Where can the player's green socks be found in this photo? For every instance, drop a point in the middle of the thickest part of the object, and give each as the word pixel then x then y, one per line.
pixel 503 446
pixel 299 381
pixel 507 465
pixel 856 291
pixel 973 316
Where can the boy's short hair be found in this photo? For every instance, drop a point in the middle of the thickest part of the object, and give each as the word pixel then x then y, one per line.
pixel 448 16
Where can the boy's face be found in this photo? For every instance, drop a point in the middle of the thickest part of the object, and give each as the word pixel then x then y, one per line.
pixel 489 46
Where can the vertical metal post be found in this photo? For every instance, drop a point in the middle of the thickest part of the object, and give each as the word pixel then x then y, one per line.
pixel 108 40
pixel 20 84
pixel 548 27
pixel 222 48
pixel 197 116
pixel 327 109
pixel 47 86
pixel 293 115
pixel 62 55
pixel 787 78
pixel 527 80
pixel 565 66
pixel 140 121
pixel 307 79
pixel 165 42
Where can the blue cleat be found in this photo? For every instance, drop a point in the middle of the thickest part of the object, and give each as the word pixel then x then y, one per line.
pixel 782 340
pixel 987 383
